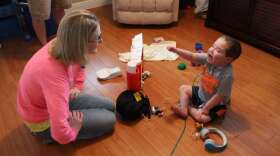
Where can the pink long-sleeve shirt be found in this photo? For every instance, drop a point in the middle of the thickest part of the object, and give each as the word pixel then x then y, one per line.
pixel 43 93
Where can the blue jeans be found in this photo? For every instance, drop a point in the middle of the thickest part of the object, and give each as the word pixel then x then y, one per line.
pixel 99 117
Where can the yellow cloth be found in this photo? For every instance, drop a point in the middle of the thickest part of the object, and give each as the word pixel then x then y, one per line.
pixel 38 127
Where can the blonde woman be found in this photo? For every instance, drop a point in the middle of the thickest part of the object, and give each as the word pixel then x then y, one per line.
pixel 49 99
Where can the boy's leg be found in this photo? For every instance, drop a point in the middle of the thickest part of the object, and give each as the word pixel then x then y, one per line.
pixel 198 115
pixel 185 93
pixel 214 113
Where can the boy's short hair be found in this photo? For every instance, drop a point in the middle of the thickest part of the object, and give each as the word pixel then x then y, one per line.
pixel 234 47
pixel 74 32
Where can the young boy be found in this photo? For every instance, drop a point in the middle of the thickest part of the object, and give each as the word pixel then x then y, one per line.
pixel 208 101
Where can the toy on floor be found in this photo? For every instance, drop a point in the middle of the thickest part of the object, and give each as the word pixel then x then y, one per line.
pixel 108 73
pixel 181 66
pixel 146 74
pixel 198 49
pixel 133 105
pixel 209 144
pixel 157 111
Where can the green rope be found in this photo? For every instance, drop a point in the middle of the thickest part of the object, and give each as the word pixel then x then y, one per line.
pixel 195 80
pixel 185 123
pixel 179 138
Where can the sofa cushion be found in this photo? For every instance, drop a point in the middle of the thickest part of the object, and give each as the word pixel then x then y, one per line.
pixel 130 5
pixel 149 5
pixel 164 5
pixel 145 5
pixel 144 17
pixel 135 5
pixel 122 4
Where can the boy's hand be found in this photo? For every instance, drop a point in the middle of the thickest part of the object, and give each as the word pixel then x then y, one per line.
pixel 172 49
pixel 74 92
pixel 205 111
pixel 76 119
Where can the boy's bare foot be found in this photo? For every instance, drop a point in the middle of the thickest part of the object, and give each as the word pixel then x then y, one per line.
pixel 180 111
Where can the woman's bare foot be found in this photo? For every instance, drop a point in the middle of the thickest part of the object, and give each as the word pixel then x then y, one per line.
pixel 180 111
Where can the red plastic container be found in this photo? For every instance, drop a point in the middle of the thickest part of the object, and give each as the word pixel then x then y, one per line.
pixel 134 79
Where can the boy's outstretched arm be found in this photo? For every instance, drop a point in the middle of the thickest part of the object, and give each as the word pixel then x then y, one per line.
pixel 181 52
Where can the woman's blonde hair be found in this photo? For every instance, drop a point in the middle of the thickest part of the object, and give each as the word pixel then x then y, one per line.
pixel 74 32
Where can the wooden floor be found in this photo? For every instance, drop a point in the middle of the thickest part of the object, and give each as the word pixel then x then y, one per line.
pixel 252 124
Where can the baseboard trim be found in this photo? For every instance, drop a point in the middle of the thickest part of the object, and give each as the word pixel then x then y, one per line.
pixel 88 4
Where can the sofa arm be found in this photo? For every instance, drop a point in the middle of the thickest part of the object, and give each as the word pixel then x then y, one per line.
pixel 175 10
pixel 114 10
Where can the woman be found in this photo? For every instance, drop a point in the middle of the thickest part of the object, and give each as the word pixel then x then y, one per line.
pixel 49 99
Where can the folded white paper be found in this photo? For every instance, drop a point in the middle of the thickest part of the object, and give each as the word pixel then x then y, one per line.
pixel 153 52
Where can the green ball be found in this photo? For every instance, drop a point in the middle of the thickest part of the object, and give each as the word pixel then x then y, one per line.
pixel 181 66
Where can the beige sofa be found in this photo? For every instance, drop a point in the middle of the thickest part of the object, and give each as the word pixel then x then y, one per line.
pixel 145 11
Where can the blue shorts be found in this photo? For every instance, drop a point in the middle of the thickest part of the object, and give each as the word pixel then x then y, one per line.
pixel 214 113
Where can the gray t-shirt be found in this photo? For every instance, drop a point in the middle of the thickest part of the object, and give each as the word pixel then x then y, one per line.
pixel 214 80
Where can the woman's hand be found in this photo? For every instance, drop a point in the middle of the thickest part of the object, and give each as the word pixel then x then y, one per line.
pixel 74 92
pixel 76 119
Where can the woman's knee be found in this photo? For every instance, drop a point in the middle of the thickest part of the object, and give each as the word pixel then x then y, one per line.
pixel 111 119
pixel 92 101
pixel 109 123
pixel 97 125
pixel 99 121
pixel 110 105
